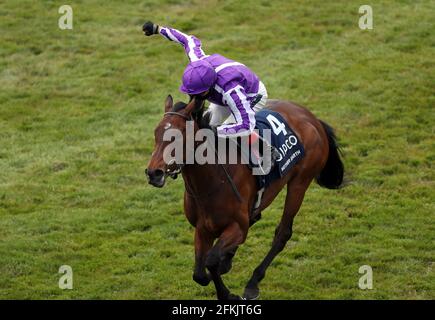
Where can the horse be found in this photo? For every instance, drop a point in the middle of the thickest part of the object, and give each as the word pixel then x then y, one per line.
pixel 217 212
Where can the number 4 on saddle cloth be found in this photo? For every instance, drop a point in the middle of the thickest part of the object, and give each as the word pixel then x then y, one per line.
pixel 275 132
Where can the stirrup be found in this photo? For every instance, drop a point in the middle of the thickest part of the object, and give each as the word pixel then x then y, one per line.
pixel 256 162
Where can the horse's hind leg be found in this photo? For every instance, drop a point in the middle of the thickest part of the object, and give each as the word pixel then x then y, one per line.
pixel 283 232
pixel 232 236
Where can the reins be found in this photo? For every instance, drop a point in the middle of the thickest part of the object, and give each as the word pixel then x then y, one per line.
pixel 230 180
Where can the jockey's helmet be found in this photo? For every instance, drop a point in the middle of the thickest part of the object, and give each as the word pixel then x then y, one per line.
pixel 198 77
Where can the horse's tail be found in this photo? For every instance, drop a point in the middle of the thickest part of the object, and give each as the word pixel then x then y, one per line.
pixel 331 176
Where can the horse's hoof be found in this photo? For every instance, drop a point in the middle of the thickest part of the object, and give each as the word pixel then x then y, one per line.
pixel 225 268
pixel 251 294
pixel 234 297
pixel 203 280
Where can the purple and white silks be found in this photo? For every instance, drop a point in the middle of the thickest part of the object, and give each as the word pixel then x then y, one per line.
pixel 235 87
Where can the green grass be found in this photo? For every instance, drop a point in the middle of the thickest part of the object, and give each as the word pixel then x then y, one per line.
pixel 77 113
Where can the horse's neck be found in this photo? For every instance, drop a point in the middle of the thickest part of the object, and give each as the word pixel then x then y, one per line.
pixel 198 177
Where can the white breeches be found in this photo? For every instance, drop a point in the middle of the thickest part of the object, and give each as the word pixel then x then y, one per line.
pixel 222 115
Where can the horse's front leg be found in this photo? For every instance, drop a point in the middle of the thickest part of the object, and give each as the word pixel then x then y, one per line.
pixel 203 244
pixel 230 238
pixel 227 263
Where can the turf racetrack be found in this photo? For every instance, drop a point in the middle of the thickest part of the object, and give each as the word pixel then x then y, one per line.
pixel 77 113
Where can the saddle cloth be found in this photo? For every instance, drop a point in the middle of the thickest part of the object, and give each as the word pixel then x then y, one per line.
pixel 284 139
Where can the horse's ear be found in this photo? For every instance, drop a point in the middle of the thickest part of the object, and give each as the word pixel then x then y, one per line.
pixel 168 103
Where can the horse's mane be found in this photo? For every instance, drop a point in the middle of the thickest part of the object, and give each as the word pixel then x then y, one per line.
pixel 201 118
pixel 179 106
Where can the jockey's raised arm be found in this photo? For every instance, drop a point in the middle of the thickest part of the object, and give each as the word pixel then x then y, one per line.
pixel 191 44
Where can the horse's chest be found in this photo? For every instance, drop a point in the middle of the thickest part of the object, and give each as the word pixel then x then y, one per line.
pixel 212 217
pixel 211 225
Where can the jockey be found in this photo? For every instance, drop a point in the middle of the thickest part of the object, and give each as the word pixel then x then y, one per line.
pixel 231 87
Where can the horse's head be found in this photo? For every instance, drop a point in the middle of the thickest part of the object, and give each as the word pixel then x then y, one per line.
pixel 175 119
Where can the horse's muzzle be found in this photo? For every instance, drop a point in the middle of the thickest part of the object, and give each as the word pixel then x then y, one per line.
pixel 155 177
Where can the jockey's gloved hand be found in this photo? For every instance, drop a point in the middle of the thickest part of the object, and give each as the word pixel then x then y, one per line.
pixel 150 28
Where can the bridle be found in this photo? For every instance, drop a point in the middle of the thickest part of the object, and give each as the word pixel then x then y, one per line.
pixel 187 118
pixel 177 168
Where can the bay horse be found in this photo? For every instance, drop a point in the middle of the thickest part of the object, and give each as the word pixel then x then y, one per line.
pixel 212 206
